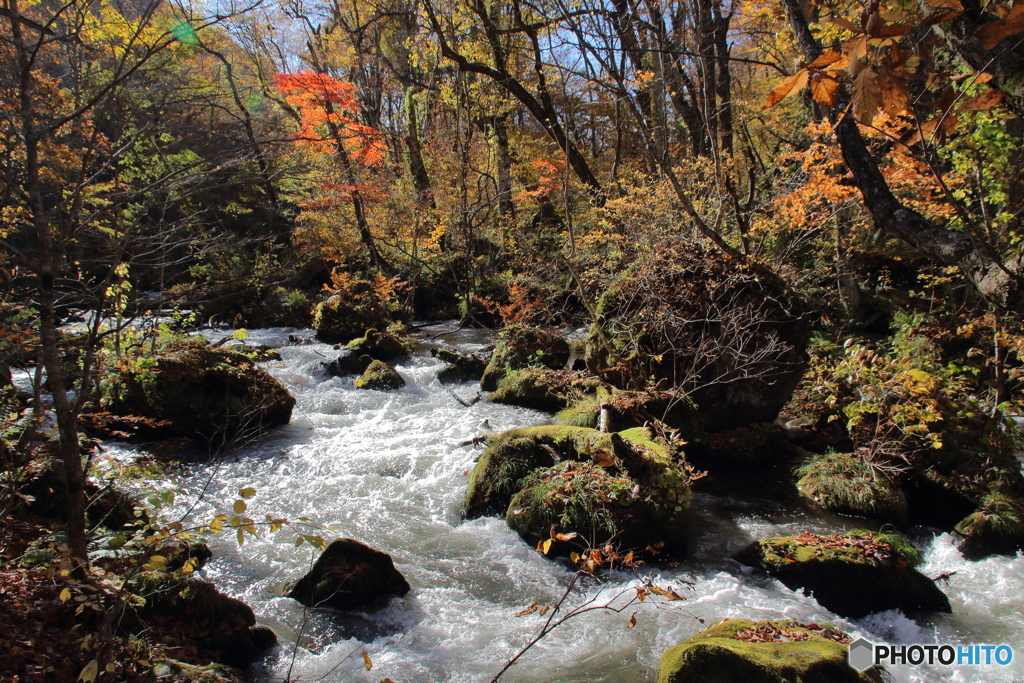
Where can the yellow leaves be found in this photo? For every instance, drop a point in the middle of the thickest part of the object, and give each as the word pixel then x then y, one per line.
pixel 825 90
pixel 240 507
pixel 247 492
pixel 529 610
pixel 366 661
pixel 65 595
pixel 189 566
pixel 156 563
pixel 544 547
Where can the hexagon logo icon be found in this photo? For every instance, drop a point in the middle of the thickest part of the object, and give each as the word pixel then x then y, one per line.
pixel 861 655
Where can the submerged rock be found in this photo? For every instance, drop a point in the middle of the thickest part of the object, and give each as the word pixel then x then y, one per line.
pixel 381 376
pixel 349 575
pixel 460 368
pixel 522 347
pixel 543 389
pixel 853 574
pixel 762 652
pixel 728 334
pixel 207 393
pixel 847 485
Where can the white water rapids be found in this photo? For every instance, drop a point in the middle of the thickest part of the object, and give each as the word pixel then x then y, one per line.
pixel 385 468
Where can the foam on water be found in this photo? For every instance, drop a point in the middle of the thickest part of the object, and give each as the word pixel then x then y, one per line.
pixel 386 468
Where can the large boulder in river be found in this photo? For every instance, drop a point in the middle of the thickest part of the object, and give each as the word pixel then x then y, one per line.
pixel 762 652
pixel 373 345
pixel 628 487
pixel 543 389
pixel 350 575
pixel 996 527
pixel 381 376
pixel 520 346
pixel 206 393
pixel 728 334
pixel 629 409
pixel 853 574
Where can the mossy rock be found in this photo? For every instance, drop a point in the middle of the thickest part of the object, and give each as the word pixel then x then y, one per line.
pixel 515 454
pixel 601 506
pixel 673 317
pixel 180 672
pixel 720 655
pixel 373 345
pixel 460 368
pixel 997 527
pixel 521 347
pixel 543 389
pixel 844 484
pixel 211 394
pixel 629 409
pixel 337 321
pixel 195 614
pixel 381 376
pixel 853 574
pixel 350 575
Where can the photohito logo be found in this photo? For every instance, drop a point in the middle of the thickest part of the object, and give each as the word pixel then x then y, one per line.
pixel 864 654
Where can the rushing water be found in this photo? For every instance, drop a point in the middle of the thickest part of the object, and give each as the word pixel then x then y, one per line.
pixel 386 468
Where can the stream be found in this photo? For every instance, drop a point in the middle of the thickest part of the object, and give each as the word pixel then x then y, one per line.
pixel 386 468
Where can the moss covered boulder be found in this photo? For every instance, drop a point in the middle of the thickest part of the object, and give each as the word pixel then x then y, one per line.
pixel 206 393
pixel 519 347
pixel 847 485
pixel 852 574
pixel 460 367
pixel 997 527
pixel 603 505
pixel 629 409
pixel 350 575
pixel 543 389
pixel 737 650
pixel 515 454
pixel 728 334
pixel 373 345
pixel 345 316
pixel 381 376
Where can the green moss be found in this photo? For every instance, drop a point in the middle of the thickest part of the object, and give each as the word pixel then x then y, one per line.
pixel 600 506
pixel 543 389
pixel 515 454
pixel 996 527
pixel 715 655
pixel 520 347
pixel 844 484
pixel 584 412
pixel 381 376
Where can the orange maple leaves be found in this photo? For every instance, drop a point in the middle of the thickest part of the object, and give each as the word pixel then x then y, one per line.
pixel 328 107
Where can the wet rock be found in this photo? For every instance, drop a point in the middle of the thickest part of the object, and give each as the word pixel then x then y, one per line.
pixel 372 346
pixel 381 376
pixel 853 574
pixel 460 368
pixel 792 653
pixel 847 485
pixel 180 672
pixel 520 347
pixel 751 444
pixel 205 393
pixel 997 527
pixel 729 335
pixel 350 575
pixel 543 389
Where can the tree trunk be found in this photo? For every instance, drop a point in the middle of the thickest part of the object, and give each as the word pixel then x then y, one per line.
pixel 998 282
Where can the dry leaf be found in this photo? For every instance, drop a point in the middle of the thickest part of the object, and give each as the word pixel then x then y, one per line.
pixel 866 95
pixel 983 101
pixel 366 661
pixel 825 90
pixel 788 86
pixel 632 621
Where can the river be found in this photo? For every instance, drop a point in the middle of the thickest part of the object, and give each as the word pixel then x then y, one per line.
pixel 386 468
